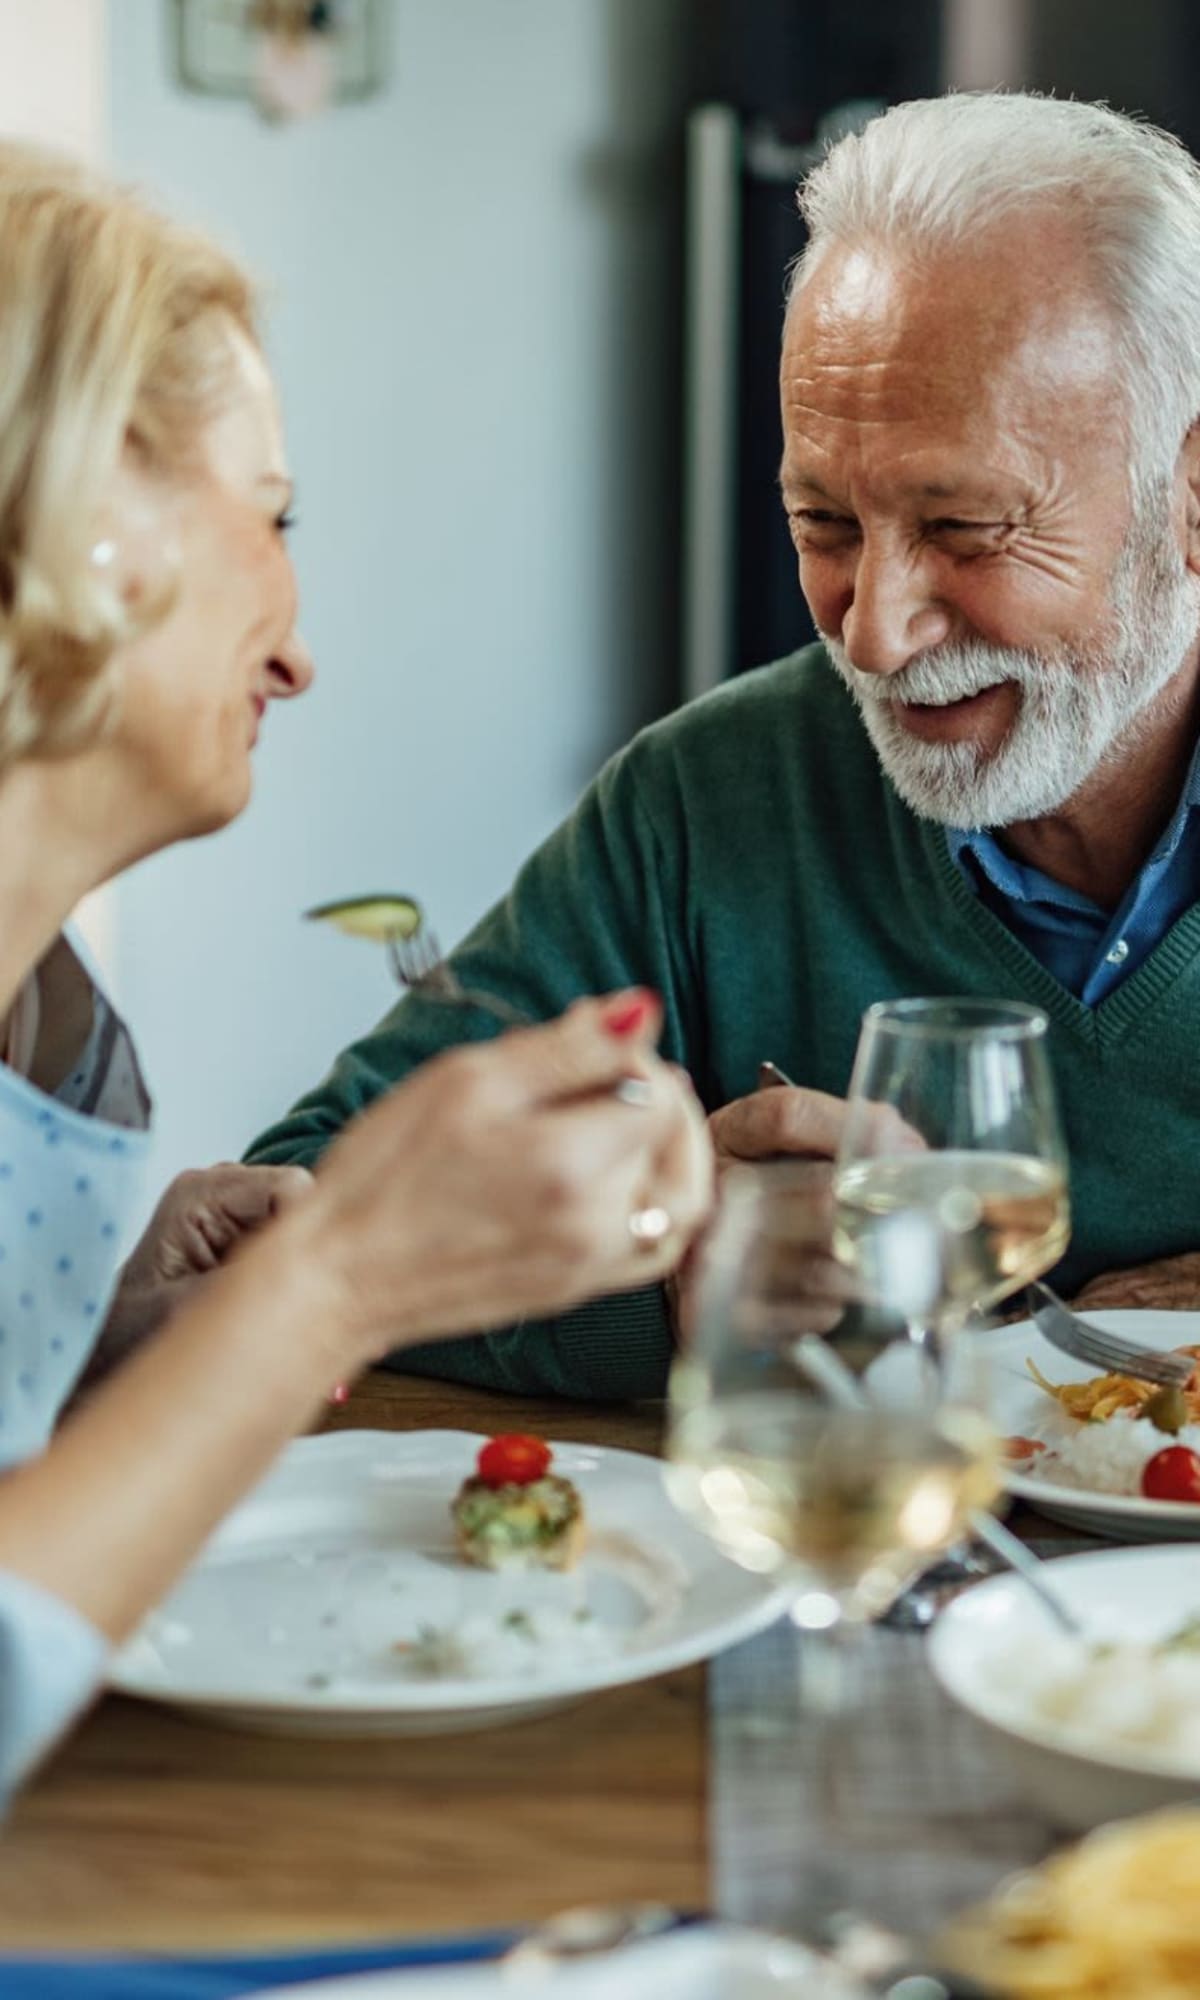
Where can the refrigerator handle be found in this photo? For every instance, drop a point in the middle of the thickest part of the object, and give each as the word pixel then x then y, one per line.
pixel 711 301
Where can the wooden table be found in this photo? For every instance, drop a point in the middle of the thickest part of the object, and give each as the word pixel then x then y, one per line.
pixel 150 1832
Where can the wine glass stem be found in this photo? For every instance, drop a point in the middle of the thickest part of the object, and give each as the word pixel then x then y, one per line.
pixel 826 1668
pixel 930 1338
pixel 827 1682
pixel 933 1337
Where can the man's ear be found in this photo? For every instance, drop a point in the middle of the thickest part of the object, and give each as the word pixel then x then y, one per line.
pixel 1187 486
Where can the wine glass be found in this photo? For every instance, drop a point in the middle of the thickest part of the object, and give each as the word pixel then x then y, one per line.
pixel 950 1186
pixel 951 1122
pixel 776 1451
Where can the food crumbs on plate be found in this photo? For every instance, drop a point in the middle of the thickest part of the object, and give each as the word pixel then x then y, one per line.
pixel 515 1513
pixel 524 1645
pixel 432 1653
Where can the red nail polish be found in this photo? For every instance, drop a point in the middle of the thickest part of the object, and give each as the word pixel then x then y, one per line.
pixel 339 1393
pixel 630 1015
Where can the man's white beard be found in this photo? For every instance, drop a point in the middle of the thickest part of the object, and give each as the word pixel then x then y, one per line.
pixel 1077 709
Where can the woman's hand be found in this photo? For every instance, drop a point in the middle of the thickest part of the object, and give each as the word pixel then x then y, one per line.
pixel 496 1181
pixel 202 1217
pixel 499 1180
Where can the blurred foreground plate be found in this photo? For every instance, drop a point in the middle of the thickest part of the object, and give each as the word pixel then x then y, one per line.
pixel 290 1620
pixel 704 1962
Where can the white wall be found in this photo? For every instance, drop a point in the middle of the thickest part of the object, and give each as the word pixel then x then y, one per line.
pixel 52 72
pixel 472 333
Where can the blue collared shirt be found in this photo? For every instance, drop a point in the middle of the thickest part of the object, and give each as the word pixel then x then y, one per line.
pixel 1088 949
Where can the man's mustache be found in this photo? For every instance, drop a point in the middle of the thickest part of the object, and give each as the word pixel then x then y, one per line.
pixel 947 674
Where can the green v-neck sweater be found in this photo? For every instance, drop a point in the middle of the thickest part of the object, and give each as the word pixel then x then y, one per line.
pixel 747 858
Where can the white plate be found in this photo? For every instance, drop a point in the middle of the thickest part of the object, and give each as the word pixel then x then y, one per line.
pixel 1130 1594
pixel 290 1619
pixel 1020 1409
pixel 709 1962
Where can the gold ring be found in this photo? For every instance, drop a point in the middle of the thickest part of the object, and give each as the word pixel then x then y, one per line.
pixel 649 1227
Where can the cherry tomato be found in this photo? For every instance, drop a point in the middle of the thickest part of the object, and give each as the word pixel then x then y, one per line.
pixel 514 1460
pixel 1173 1474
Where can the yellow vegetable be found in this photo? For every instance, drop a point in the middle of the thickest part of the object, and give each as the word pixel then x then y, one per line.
pixel 1103 1396
pixel 376 917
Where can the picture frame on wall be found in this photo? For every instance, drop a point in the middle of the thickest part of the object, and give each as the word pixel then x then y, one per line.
pixel 217 43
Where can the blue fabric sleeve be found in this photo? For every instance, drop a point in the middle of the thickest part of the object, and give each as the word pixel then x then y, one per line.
pixel 51 1662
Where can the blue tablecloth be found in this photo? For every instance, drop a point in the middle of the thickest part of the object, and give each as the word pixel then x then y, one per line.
pixel 40 1977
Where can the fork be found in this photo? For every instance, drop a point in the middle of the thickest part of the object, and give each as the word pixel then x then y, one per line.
pixel 1078 1337
pixel 419 966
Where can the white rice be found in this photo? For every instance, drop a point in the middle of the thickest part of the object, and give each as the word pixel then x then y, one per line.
pixel 1105 1457
pixel 1132 1694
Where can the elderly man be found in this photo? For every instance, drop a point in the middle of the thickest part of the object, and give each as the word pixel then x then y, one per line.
pixel 985 780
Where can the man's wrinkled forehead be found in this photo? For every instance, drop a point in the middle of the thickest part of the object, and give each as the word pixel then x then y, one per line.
pixel 1028 278
pixel 964 340
pixel 859 279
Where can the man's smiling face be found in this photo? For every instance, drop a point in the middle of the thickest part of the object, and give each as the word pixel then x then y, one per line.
pixel 956 478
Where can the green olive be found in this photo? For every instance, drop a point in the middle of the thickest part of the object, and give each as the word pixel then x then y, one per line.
pixel 1167 1410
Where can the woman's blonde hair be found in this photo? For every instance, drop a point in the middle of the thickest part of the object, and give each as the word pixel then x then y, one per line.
pixel 114 326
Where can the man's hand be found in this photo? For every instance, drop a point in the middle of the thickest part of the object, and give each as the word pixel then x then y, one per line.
pixel 202 1217
pixel 1170 1285
pixel 785 1122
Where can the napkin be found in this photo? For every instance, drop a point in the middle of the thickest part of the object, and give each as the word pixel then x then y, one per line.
pixel 41 1977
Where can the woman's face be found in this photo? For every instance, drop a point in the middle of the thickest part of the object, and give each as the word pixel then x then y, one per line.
pixel 195 687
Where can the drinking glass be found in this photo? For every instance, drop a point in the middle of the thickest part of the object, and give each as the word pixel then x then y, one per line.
pixel 951 1129
pixel 776 1451
pixel 950 1192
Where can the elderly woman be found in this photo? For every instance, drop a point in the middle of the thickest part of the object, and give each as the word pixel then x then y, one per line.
pixel 147 608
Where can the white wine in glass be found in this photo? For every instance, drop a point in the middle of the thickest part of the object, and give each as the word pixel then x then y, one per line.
pixel 842 1501
pixel 999 1220
pixel 846 1505
pixel 951 1122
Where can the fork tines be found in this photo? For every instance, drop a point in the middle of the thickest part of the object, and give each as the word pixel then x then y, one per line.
pixel 1085 1342
pixel 1165 1369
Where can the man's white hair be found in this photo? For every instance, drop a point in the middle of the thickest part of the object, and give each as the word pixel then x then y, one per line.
pixel 935 173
